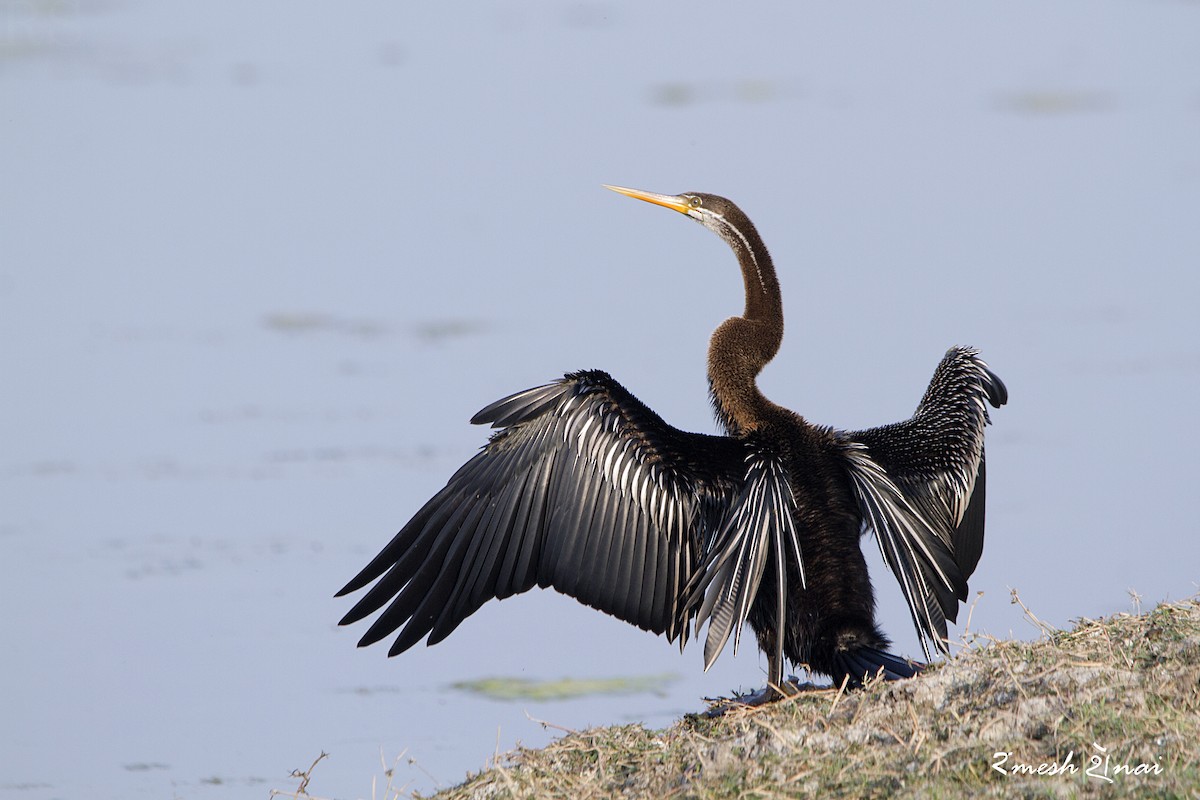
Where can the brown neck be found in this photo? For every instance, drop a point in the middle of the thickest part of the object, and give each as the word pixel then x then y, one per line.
pixel 741 346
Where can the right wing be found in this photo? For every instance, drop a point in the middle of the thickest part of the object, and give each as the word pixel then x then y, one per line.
pixel 584 489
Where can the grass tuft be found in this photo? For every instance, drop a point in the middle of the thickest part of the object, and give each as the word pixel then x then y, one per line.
pixel 1125 688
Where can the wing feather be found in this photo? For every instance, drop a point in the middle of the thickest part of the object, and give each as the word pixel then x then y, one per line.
pixel 581 488
pixel 759 524
pixel 920 487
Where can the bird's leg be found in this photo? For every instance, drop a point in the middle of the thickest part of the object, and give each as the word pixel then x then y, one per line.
pixel 775 665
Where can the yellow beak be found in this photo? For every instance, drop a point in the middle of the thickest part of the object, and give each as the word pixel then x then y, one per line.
pixel 673 202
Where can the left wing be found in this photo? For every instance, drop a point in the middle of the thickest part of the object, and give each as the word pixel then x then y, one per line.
pixel 920 487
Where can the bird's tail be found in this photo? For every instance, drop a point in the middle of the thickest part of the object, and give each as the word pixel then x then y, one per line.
pixel 865 663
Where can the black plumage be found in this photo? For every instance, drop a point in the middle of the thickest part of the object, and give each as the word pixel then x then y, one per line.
pixel 584 489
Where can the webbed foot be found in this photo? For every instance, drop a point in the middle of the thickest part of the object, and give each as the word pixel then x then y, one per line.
pixel 767 694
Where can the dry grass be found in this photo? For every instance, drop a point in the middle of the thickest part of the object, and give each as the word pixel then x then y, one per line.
pixel 1110 708
pixel 1129 684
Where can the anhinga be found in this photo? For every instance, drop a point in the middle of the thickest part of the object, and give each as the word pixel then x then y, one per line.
pixel 585 489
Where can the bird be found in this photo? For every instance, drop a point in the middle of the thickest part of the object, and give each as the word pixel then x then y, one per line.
pixel 584 489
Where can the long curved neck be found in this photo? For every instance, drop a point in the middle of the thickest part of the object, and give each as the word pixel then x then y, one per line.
pixel 741 346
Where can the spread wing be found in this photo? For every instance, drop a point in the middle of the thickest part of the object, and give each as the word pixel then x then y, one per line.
pixel 583 489
pixel 920 486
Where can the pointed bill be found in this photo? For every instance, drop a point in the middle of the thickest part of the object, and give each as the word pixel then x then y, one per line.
pixel 674 202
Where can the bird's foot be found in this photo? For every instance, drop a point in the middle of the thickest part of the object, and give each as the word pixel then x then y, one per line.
pixel 768 694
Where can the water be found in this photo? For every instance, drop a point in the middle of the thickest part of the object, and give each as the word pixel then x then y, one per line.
pixel 259 265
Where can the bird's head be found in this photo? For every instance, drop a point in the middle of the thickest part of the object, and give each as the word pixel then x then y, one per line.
pixel 716 213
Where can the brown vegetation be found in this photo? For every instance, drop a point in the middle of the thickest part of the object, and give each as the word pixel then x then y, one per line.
pixel 1129 684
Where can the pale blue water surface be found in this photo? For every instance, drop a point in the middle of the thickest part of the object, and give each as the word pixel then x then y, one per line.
pixel 259 263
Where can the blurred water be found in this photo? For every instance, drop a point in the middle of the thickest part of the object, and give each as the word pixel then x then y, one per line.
pixel 259 264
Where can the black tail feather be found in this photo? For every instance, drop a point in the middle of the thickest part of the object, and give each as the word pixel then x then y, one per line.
pixel 865 663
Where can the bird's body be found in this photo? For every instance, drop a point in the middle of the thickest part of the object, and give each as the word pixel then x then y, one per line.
pixel 586 490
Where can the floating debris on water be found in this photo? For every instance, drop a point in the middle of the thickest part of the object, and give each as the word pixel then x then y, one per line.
pixel 439 330
pixel 1055 102
pixel 565 688
pixel 317 322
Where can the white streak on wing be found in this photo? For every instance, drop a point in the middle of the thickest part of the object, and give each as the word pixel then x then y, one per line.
pixel 731 574
pixel 894 524
pixel 609 471
pixel 584 429
pixel 624 483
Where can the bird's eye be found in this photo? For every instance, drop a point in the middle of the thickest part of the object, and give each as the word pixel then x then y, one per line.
pixel 695 202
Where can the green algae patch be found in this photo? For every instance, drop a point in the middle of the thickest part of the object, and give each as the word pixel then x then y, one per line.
pixel 499 688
